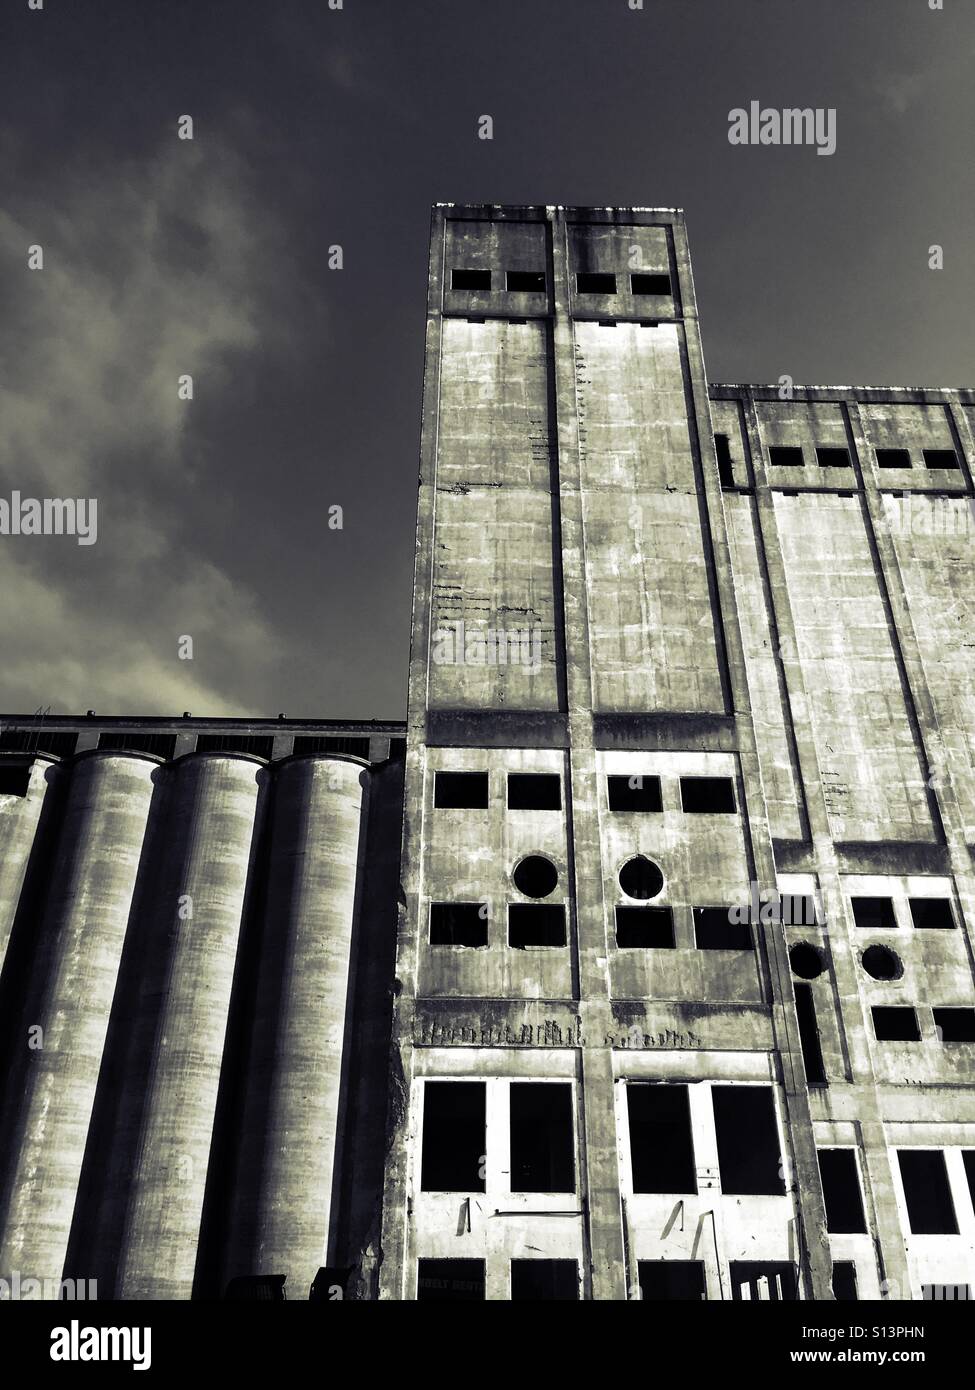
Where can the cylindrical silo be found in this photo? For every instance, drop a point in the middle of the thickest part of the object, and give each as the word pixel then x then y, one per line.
pixel 55 1064
pixel 287 1147
pixel 192 930
pixel 20 817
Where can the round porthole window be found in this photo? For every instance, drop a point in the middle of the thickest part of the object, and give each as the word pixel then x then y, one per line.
pixel 806 960
pixel 536 876
pixel 640 878
pixel 881 963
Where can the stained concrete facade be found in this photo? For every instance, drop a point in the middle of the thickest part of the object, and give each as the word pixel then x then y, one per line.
pixel 638 962
pixel 796 627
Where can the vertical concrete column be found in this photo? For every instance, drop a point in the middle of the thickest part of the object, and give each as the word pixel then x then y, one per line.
pixel 55 1068
pixel 297 1060
pixel 20 817
pixel 601 1177
pixel 192 932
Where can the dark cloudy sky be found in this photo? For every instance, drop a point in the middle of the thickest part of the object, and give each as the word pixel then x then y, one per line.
pixel 316 126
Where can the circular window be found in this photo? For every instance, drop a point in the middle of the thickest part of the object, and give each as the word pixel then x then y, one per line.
pixel 640 878
pixel 536 876
pixel 881 963
pixel 806 960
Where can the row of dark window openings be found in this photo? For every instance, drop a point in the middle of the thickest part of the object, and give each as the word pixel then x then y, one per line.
pixel 791 456
pixel 544 924
pixel 662 1157
pixel 534 282
pixel 542 1153
pixel 542 791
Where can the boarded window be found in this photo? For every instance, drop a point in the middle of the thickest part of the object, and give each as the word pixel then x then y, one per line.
pixel 661 1143
pixel 845 1281
pixel 638 793
pixel 726 471
pixel 646 927
pixel 715 931
pixel 955 1025
pixel 534 791
pixel 443 1281
pixel 466 791
pixel 833 458
pixel 453 1136
pixel 893 458
pixel 895 1023
pixel 874 914
pixel 940 458
pixel 931 913
pixel 770 1282
pixel 536 924
pixel 458 924
pixel 595 282
pixel 542 1151
pixel 703 795
pixel 526 281
pixel 14 779
pixel 926 1192
pixel 470 280
pixel 785 456
pixel 947 1292
pixel 669 1281
pixel 812 1052
pixel 841 1192
pixel 650 283
pixel 544 1280
pixel 748 1140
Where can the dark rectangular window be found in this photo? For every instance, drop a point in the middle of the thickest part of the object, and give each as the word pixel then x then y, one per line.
pixel 456 791
pixel 534 791
pixel 774 1281
pixel 542 1151
pixel 705 795
pixel 453 1136
pixel 893 458
pixel 650 283
pixel 648 927
pixel 533 1281
pixel 895 1023
pixel 833 458
pixel 661 1143
pixel 715 931
pixel 812 1052
pixel 931 913
pixel 927 1192
pixel 873 914
pixel 968 1158
pixel 526 281
pixel 726 470
pixel 955 1025
pixel 536 924
pixel 355 747
pixel 14 779
pixel 595 282
pixel 940 458
pixel 37 741
pixel 161 745
pixel 634 793
pixel 470 280
pixel 458 924
pixel 671 1281
pixel 785 456
pixel 449 1281
pixel 253 744
pixel 845 1281
pixel 748 1140
pixel 841 1191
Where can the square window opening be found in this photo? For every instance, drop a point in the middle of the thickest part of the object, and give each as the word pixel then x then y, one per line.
pixel 893 458
pixel 542 1149
pixel 927 1192
pixel 452 1158
pixel 940 458
pixel 874 914
pixel 536 924
pixel 661 1141
pixel 458 924
pixel 707 795
pixel 669 1281
pixel 841 1191
pixel 714 930
pixel 595 282
pixel 895 1023
pixel 461 791
pixel 14 779
pixel 525 282
pixel 955 1025
pixel 534 791
pixel 650 283
pixel 466 279
pixel 785 456
pixel 647 928
pixel 544 1281
pixel 931 914
pixel 638 793
pixel 450 1281
pixel 833 458
pixel 748 1140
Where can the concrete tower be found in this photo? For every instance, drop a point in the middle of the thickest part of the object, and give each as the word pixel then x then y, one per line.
pixel 689 770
